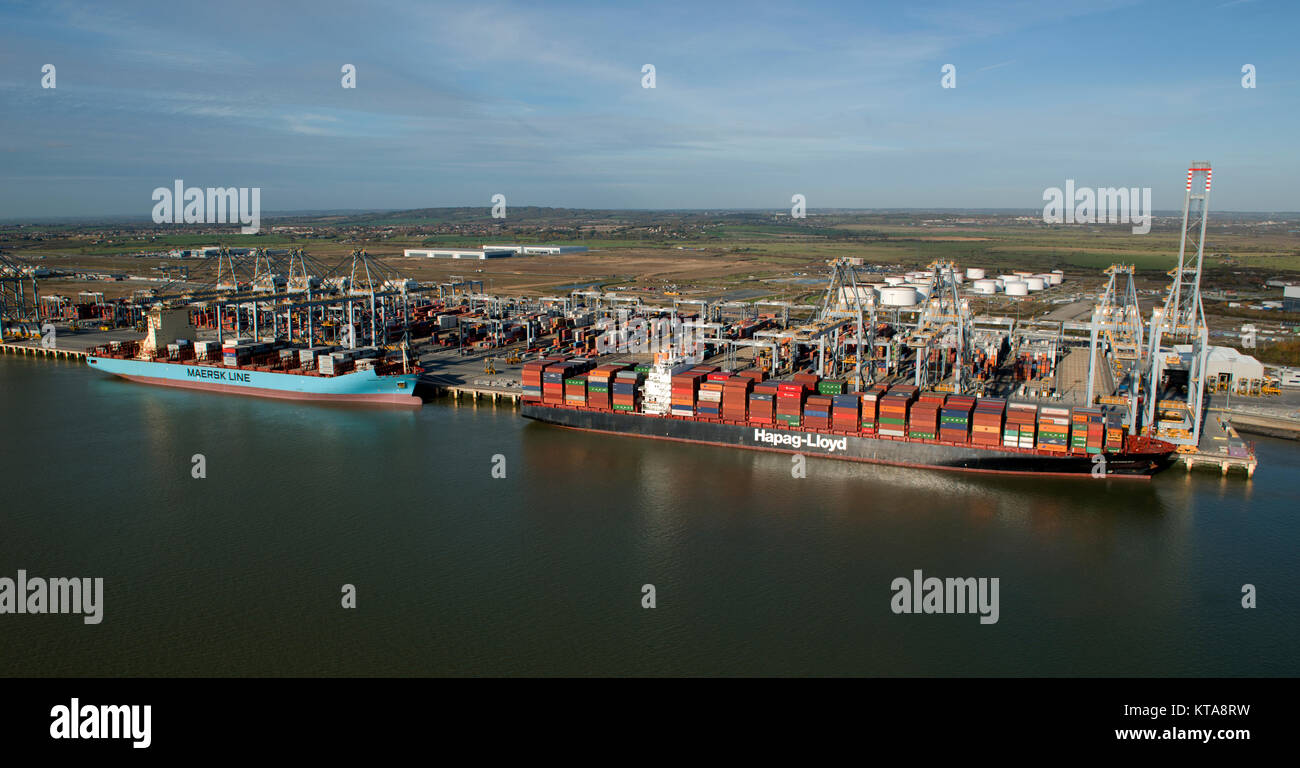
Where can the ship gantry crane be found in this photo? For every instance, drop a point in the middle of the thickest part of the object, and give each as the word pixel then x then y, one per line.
pixel 1182 318
pixel 944 326
pixel 1116 333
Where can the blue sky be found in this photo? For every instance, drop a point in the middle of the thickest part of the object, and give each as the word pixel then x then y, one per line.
pixel 542 102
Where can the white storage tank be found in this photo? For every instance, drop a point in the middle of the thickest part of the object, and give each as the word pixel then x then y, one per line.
pixel 1017 288
pixel 1058 276
pixel 866 295
pixel 985 286
pixel 922 289
pixel 1035 283
pixel 895 280
pixel 1022 273
pixel 897 296
pixel 974 273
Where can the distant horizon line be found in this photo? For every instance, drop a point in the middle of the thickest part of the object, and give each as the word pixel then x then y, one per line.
pixel 295 213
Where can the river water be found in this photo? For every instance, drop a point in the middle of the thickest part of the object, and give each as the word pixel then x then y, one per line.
pixel 540 572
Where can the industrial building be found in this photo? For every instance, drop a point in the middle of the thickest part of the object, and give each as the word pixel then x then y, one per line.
pixel 540 250
pixel 1228 369
pixel 1291 298
pixel 488 252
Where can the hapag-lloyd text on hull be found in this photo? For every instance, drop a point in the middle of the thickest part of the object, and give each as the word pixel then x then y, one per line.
pixel 806 440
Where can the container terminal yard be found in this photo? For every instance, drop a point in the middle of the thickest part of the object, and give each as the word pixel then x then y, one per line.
pixel 1081 379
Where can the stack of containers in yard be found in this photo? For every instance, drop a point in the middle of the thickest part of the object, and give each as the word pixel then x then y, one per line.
pixel 709 397
pixel 755 375
pixel 1054 429
pixel 1018 432
pixel 1088 430
pixel 575 390
pixel 893 407
pixel 923 418
pixel 830 387
pixel 845 412
pixel 789 402
pixel 762 402
pixel 627 387
pixel 870 403
pixel 685 385
pixel 954 418
pixel 735 397
pixel 817 412
pixel 986 422
pixel 1114 433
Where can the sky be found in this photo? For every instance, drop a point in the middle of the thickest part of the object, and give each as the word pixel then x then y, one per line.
pixel 543 102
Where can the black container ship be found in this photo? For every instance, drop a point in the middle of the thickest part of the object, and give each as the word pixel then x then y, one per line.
pixel 895 425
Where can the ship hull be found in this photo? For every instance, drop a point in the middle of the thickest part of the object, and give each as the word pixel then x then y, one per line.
pixel 850 447
pixel 357 387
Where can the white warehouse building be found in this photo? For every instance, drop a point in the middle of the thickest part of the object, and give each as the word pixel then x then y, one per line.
pixel 540 250
pixel 455 253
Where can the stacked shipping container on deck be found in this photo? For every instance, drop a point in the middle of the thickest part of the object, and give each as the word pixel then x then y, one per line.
pixel 1114 433
pixel 575 390
pixel 892 418
pixel 709 397
pixel 735 397
pixel 986 422
pixel 955 418
pixel 817 412
pixel 1054 429
pixel 1018 430
pixel 789 403
pixel 1089 430
pixel 627 390
pixel 870 404
pixel 846 413
pixel 923 419
pixel 762 402
pixel 685 384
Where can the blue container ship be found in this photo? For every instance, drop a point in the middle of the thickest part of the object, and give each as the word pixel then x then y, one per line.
pixel 312 374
